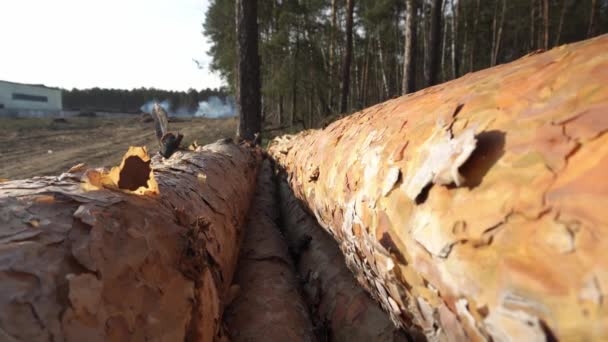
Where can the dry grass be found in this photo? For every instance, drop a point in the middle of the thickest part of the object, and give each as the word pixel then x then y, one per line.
pixel 39 146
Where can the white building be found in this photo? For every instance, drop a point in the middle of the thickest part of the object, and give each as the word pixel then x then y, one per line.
pixel 18 99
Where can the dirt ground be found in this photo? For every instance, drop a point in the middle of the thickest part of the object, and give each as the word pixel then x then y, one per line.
pixel 39 146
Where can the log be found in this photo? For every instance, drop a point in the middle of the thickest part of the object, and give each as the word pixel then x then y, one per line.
pixel 268 305
pixel 143 252
pixel 342 310
pixel 475 209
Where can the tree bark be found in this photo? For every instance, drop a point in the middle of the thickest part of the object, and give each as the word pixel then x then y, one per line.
pixel 265 279
pixel 469 213
pixel 342 309
pixel 409 70
pixel 434 43
pixel 248 66
pixel 348 50
pixel 130 255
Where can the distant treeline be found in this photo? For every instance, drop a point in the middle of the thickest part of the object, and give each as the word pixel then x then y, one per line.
pixel 130 101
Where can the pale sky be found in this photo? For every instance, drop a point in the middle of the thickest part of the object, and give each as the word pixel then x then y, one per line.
pixel 105 43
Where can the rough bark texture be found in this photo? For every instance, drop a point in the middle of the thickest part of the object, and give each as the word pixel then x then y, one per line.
pixel 476 208
pixel 150 258
pixel 268 306
pixel 248 70
pixel 342 309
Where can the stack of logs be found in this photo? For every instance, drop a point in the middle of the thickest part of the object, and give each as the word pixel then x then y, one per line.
pixel 472 210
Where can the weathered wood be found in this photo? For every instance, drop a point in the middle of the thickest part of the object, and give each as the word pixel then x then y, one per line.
pixel 267 305
pixel 343 311
pixel 151 258
pixel 475 209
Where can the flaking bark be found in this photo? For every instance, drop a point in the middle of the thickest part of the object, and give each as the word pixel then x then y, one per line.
pixel 151 258
pixel 475 209
pixel 342 309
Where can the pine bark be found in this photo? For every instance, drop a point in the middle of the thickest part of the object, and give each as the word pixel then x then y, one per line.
pixel 476 210
pixel 248 70
pixel 342 310
pixel 130 255
pixel 348 51
pixel 267 304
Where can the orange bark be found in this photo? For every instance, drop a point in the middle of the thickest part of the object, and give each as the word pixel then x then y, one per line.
pixel 132 254
pixel 268 305
pixel 475 209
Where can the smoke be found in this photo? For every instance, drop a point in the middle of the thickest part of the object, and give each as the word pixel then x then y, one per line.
pixel 147 107
pixel 214 108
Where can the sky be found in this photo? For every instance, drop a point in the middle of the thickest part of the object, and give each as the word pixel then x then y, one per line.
pixel 105 43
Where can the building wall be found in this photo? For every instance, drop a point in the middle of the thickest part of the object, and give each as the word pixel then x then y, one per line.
pixel 17 98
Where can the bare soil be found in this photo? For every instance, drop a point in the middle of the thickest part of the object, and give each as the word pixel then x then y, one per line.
pixel 43 146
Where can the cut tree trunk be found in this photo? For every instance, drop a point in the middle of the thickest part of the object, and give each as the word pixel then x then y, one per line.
pixel 268 305
pixel 476 208
pixel 342 309
pixel 129 255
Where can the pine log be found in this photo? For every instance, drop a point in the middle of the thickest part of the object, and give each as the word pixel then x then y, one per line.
pixel 144 252
pixel 268 305
pixel 475 209
pixel 342 310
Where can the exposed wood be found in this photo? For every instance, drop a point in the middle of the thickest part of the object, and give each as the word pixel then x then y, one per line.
pixel 343 310
pixel 475 209
pixel 126 255
pixel 267 304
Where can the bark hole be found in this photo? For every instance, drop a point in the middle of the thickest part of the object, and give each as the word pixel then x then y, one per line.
pixel 490 148
pixel 134 174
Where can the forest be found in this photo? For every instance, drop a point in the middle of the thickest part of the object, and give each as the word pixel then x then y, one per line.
pixel 320 58
pixel 131 101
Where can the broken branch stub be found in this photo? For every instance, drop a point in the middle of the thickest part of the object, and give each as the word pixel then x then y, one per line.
pixel 143 252
pixel 475 208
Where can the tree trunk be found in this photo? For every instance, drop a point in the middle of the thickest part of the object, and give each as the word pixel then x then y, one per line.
pixel 409 67
pixel 546 24
pixel 434 43
pixel 332 48
pixel 265 279
pixel 532 25
pixel 342 309
pixel 455 18
pixel 443 43
pixel 474 36
pixel 382 68
pixel 348 50
pixel 470 214
pixel 130 255
pixel 592 19
pixel 248 66
pixel 498 39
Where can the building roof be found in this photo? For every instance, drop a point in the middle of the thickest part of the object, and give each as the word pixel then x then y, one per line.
pixel 31 85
